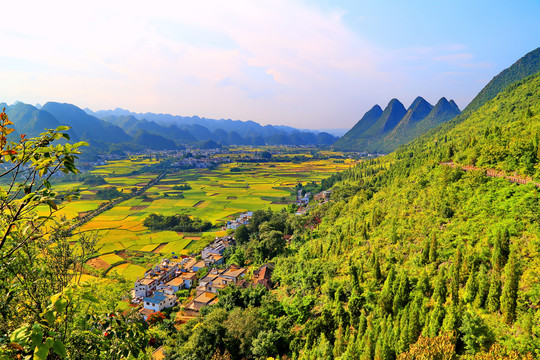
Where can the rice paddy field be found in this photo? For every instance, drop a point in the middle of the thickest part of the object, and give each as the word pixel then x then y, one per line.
pixel 216 195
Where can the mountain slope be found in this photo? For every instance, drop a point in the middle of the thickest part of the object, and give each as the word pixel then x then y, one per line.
pixel 390 117
pixel 85 126
pixel 349 140
pixel 527 65
pixel 423 249
pixel 32 121
pixel 413 259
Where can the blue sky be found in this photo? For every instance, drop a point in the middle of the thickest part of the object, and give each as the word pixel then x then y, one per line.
pixel 308 64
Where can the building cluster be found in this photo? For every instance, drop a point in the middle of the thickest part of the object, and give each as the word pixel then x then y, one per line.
pixel 214 281
pixel 243 219
pixel 156 290
pixel 302 200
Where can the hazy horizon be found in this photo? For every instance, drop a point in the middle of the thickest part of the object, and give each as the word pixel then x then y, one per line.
pixel 306 64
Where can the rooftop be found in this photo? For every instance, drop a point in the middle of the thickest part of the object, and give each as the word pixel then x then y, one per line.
pixel 177 281
pixel 205 298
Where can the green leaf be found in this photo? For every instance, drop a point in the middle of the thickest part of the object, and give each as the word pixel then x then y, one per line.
pixel 88 296
pixel 60 305
pixel 66 136
pixel 52 204
pixel 49 316
pixel 59 348
pixel 41 352
pixel 19 335
pixel 37 334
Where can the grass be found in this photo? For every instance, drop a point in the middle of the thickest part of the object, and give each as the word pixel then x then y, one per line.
pixel 130 271
pixel 111 258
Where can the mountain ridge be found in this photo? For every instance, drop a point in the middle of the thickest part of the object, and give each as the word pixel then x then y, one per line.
pixel 396 125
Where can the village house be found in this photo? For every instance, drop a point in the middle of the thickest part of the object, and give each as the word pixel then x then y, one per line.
pixel 157 302
pixel 184 280
pixel 233 273
pixel 323 196
pixel 154 277
pixel 262 276
pixel 202 300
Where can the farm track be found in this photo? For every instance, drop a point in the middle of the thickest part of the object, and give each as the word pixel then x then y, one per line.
pixel 111 204
pixel 494 173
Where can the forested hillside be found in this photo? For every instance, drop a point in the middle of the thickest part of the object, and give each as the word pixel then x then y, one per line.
pixel 414 259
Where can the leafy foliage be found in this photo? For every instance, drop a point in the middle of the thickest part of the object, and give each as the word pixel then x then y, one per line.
pixel 179 222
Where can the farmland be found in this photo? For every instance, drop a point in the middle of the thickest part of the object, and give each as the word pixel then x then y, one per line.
pixel 215 194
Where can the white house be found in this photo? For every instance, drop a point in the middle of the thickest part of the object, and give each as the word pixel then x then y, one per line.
pixel 159 301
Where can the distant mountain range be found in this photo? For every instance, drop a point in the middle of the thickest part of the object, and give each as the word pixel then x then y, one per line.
pixel 120 129
pixel 384 131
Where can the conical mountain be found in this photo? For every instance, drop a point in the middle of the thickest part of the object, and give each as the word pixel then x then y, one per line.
pixel 351 139
pixel 405 130
pixel 454 105
pixel 443 111
pixel 366 122
pixel 391 116
pixel 409 130
pixel 418 110
pixel 385 136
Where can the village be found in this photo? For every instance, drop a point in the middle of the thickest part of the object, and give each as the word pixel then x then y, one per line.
pixel 157 290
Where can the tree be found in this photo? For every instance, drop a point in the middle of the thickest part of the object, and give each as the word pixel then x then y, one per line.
pixel 454 286
pixel 425 251
pixel 401 297
pixel 483 288
pixel 241 235
pixel 494 294
pixel 501 249
pixel 510 289
pixel 471 288
pixel 386 298
pixel 475 333
pixel 439 291
pixel 376 267
pixel 433 249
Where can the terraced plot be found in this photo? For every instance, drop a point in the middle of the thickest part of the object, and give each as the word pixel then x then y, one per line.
pixel 215 195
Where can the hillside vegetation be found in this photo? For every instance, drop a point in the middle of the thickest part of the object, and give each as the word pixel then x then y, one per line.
pixel 414 259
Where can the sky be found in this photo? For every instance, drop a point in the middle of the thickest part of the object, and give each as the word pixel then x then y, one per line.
pixel 311 64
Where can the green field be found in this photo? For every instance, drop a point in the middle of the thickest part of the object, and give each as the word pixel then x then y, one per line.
pixel 216 195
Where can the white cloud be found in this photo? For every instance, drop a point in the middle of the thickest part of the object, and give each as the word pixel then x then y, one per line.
pixel 270 61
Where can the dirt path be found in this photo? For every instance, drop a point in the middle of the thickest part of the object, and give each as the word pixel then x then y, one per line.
pixel 493 173
pixel 158 249
pixel 98 263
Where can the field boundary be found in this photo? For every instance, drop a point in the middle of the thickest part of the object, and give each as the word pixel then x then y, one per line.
pixel 107 206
